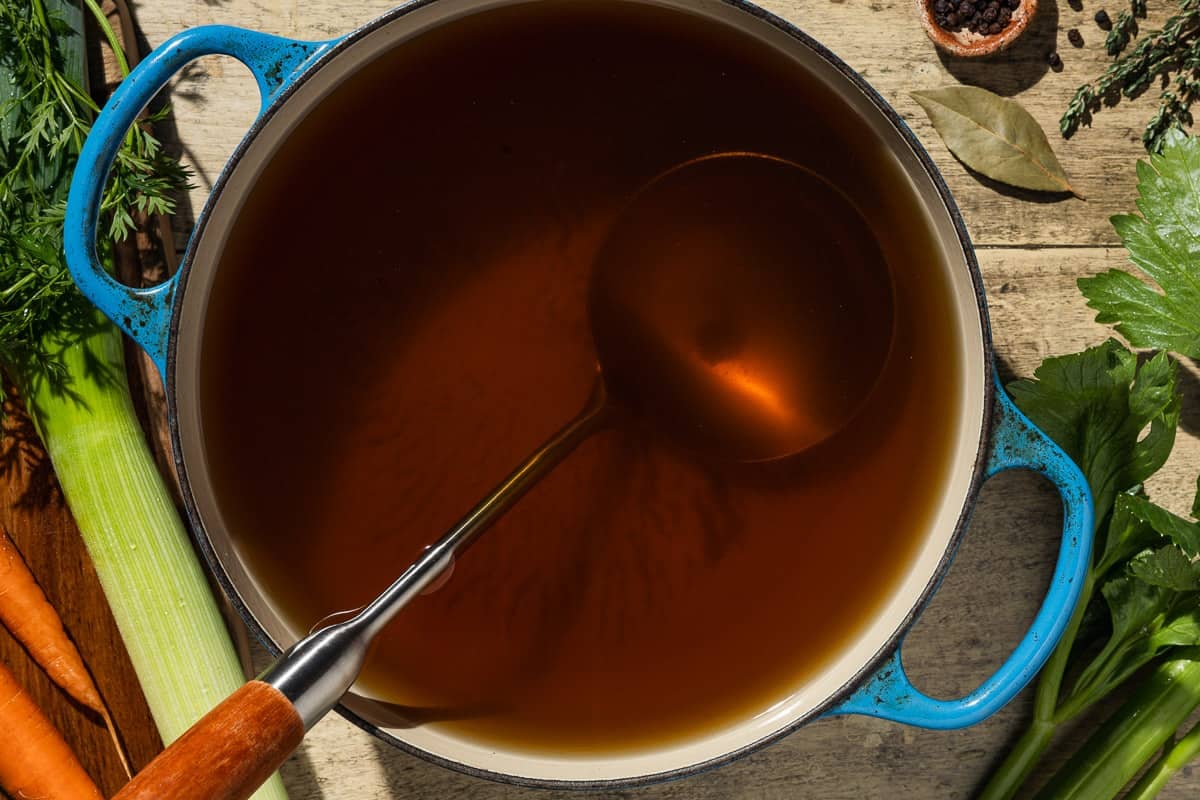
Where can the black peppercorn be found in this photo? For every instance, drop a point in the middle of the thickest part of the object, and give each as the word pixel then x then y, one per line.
pixel 1102 19
pixel 1075 37
pixel 986 17
pixel 1054 60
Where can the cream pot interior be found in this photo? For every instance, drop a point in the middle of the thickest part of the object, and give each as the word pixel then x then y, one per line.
pixel 838 676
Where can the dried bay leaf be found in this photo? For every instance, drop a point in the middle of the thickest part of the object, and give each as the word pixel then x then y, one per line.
pixel 995 136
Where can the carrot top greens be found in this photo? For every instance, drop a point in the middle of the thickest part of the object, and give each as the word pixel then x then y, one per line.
pixel 45 115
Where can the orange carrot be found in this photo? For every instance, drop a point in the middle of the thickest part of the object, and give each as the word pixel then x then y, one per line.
pixel 28 615
pixel 35 762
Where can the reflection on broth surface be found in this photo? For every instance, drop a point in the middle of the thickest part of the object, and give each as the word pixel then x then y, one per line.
pixel 400 317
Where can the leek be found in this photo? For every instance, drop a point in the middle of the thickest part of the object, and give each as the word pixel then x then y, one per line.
pixel 68 364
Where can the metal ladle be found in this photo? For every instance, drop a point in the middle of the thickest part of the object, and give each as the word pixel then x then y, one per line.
pixel 721 303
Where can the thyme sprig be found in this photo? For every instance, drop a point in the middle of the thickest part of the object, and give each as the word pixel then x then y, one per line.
pixel 1170 56
pixel 1125 28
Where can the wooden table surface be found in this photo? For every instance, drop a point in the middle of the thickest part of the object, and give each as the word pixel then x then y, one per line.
pixel 1031 251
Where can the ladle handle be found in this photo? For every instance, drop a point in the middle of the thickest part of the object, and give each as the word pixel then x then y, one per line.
pixel 227 754
pixel 237 745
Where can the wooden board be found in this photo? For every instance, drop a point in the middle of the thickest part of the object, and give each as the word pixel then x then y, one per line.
pixel 215 99
pixel 34 514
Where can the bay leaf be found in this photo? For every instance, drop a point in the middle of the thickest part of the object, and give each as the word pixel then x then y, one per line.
pixel 995 136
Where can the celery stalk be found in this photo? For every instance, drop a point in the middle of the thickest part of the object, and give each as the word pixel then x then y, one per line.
pixel 1010 776
pixel 1007 780
pixel 1175 759
pixel 1115 753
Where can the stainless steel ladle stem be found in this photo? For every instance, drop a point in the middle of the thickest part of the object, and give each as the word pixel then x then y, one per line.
pixel 315 672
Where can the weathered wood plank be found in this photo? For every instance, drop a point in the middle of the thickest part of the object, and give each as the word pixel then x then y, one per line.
pixel 880 38
pixel 1036 311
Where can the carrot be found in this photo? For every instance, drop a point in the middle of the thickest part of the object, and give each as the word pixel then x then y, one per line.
pixel 35 761
pixel 28 615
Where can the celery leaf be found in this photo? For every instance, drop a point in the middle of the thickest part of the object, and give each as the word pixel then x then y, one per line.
pixel 1167 567
pixel 1162 313
pixel 1095 405
pixel 1182 630
pixel 1128 532
pixel 1183 533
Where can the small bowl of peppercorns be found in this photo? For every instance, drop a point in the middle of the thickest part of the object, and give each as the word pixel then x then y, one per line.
pixel 975 27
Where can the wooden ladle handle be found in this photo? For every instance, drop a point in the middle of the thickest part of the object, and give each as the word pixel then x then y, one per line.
pixel 228 754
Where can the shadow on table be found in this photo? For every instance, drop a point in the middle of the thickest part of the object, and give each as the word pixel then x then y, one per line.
pixel 1017 193
pixel 1188 384
pixel 1021 66
pixel 300 778
pixel 409 776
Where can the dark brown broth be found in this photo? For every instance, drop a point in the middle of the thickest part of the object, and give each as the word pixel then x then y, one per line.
pixel 399 318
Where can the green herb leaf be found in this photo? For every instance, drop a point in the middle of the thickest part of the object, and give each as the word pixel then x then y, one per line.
pixel 1137 610
pixel 1095 405
pixel 1182 630
pixel 1167 567
pixel 1164 243
pixel 1131 605
pixel 1151 601
pixel 1183 533
pixel 994 136
pixel 1134 604
pixel 1167 57
pixel 1128 533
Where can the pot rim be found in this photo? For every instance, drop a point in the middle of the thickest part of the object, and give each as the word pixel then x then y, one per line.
pixel 886 651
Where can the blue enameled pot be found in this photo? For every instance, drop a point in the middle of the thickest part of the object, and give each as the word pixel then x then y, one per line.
pixel 991 435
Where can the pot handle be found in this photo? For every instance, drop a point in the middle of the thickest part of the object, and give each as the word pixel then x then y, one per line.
pixel 1015 444
pixel 145 313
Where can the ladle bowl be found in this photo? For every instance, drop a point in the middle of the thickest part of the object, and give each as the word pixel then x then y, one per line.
pixel 723 298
